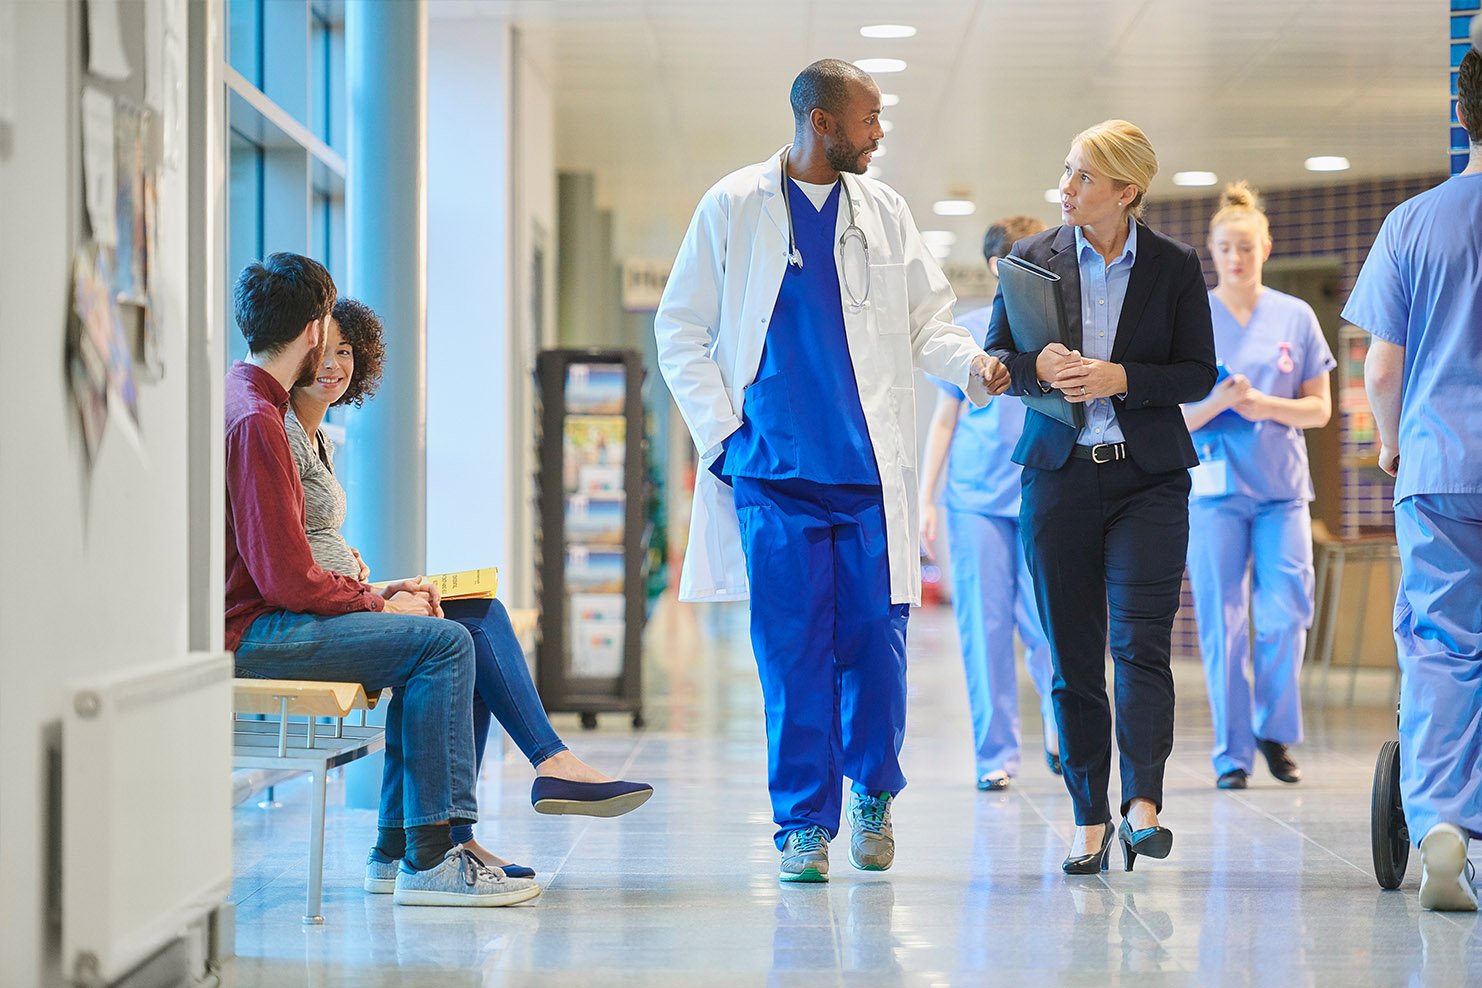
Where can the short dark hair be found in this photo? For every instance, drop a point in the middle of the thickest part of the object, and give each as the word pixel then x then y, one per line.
pixel 1469 93
pixel 275 298
pixel 361 328
pixel 1004 233
pixel 824 85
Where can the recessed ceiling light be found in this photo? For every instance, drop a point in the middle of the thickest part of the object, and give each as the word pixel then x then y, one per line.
pixel 954 207
pixel 879 151
pixel 888 31
pixel 889 99
pixel 1052 196
pixel 1195 178
pixel 878 66
pixel 933 237
pixel 887 126
pixel 1326 163
pixel 940 251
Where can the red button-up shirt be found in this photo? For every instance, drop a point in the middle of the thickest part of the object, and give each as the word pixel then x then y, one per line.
pixel 269 566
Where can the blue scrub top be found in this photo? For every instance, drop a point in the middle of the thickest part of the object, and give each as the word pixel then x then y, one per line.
pixel 802 416
pixel 1278 350
pixel 982 477
pixel 1421 288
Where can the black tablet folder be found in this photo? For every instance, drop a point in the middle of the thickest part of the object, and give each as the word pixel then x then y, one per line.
pixel 1036 319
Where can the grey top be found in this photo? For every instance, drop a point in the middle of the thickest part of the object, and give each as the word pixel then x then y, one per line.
pixel 324 500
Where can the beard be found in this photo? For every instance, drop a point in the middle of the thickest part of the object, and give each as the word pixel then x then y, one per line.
pixel 312 359
pixel 845 157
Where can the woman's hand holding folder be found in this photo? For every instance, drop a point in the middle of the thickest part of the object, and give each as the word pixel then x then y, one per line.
pixel 1079 379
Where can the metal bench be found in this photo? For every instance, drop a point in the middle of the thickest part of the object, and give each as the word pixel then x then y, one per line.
pixel 275 744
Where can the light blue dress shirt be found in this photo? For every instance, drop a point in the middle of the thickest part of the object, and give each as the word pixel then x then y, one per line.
pixel 1103 289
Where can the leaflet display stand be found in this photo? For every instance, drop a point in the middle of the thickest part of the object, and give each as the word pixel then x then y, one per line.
pixel 593 540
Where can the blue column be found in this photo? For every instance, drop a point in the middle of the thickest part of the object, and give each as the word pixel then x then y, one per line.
pixel 385 475
pixel 1462 12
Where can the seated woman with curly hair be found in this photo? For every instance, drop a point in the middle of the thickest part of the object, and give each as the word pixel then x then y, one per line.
pixel 348 374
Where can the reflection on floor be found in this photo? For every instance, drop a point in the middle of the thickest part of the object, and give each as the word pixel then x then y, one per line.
pixel 1271 886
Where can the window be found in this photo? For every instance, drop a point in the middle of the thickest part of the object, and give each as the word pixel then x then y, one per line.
pixel 285 81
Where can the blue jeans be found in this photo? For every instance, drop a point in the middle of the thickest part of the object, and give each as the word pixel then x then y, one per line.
pixel 502 685
pixel 428 662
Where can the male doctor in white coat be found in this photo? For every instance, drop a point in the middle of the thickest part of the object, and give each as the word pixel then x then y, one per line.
pixel 800 304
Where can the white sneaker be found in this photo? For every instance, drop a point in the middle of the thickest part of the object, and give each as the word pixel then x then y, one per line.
pixel 460 880
pixel 1445 883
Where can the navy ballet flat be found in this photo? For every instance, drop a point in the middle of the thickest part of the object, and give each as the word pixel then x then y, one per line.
pixel 558 796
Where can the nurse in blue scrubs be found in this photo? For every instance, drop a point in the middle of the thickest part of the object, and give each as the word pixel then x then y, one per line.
pixel 1420 295
pixel 1250 531
pixel 991 589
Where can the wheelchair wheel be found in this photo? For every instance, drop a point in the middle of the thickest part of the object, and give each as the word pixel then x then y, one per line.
pixel 1390 836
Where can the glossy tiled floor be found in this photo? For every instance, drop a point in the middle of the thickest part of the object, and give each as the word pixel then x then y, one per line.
pixel 1272 886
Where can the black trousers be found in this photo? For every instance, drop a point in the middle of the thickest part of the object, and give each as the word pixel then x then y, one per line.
pixel 1108 542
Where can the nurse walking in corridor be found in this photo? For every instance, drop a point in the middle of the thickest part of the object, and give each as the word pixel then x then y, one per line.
pixel 1250 532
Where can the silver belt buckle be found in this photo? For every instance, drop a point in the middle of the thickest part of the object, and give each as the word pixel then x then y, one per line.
pixel 1096 453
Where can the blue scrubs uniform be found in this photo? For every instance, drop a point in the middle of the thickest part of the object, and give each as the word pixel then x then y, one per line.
pixel 830 647
pixel 1421 288
pixel 991 589
pixel 1250 533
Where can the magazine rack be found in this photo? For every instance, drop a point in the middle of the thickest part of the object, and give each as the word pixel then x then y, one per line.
pixel 592 540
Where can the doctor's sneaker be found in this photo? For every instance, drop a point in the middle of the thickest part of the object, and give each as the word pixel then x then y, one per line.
pixel 461 879
pixel 1446 875
pixel 805 856
pixel 871 838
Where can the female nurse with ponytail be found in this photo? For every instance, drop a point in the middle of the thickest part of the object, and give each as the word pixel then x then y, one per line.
pixel 1250 530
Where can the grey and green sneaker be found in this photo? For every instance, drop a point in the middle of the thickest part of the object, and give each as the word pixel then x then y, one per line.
pixel 805 856
pixel 871 838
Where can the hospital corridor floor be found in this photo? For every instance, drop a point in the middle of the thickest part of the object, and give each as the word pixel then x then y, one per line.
pixel 1270 886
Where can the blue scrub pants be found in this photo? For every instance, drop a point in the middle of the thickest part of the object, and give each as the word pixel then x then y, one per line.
pixel 991 593
pixel 830 646
pixel 1438 632
pixel 1250 555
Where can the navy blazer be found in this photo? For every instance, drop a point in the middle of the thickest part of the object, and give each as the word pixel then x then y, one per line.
pixel 1165 342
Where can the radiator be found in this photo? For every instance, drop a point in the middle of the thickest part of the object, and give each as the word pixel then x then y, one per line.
pixel 146 811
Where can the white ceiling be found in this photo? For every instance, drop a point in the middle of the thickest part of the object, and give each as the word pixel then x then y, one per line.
pixel 659 98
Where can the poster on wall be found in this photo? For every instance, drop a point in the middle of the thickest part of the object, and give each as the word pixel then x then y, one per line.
pixel 129 204
pixel 99 172
pixel 106 57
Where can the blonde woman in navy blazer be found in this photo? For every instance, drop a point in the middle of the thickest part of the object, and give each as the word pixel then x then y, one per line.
pixel 1105 509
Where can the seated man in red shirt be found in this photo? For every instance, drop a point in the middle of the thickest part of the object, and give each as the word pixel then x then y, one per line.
pixel 287 618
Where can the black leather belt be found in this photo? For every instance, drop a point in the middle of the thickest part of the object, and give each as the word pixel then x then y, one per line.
pixel 1101 452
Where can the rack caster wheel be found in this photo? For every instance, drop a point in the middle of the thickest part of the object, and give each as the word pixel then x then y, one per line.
pixel 1389 835
pixel 638 722
pixel 588 721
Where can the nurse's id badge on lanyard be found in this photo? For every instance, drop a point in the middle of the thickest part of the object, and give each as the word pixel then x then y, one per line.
pixel 1211 478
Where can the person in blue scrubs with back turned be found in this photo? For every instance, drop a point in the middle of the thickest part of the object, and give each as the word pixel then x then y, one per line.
pixel 799 307
pixel 1248 509
pixel 991 589
pixel 1420 296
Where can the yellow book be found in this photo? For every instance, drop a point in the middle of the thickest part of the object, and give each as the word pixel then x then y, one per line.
pixel 468 584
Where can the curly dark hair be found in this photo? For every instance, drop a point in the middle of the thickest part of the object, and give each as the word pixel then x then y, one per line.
pixel 361 328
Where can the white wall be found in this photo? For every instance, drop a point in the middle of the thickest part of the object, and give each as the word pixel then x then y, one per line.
pixel 491 204
pixel 93 568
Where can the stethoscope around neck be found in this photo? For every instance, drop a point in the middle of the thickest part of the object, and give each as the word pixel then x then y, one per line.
pixel 852 234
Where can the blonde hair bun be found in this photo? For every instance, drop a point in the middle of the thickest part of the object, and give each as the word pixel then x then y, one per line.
pixel 1238 195
pixel 1238 205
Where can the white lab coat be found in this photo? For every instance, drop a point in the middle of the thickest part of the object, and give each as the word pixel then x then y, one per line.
pixel 712 323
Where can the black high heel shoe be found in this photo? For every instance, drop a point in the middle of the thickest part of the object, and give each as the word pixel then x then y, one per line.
pixel 1093 863
pixel 1154 842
